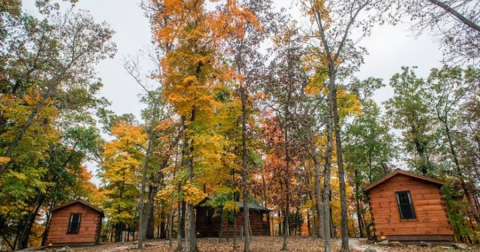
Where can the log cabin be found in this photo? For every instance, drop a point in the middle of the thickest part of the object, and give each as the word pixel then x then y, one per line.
pixel 408 208
pixel 208 224
pixel 76 223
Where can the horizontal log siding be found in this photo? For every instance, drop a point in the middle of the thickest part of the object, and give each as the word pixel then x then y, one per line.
pixel 89 223
pixel 431 217
pixel 212 230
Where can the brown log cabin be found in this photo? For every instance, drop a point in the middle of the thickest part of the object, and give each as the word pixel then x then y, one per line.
pixel 208 224
pixel 408 208
pixel 75 224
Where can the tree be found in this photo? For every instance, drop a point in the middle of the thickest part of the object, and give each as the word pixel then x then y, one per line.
pixel 410 113
pixel 194 84
pixel 48 89
pixel 368 152
pixel 285 85
pixel 121 162
pixel 248 23
pixel 334 22
pixel 454 23
pixel 447 87
pixel 58 55
pixel 153 116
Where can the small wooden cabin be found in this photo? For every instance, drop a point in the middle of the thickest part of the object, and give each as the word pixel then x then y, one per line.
pixel 208 224
pixel 75 224
pixel 408 208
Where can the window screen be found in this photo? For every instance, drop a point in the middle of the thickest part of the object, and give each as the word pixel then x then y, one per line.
pixel 74 225
pixel 405 205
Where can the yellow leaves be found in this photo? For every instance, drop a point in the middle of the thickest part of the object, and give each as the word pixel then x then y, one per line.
pixel 166 193
pixel 230 206
pixel 193 195
pixel 348 103
pixel 122 156
pixel 4 160
pixel 18 175
pixel 317 62
pixel 40 133
pixel 316 84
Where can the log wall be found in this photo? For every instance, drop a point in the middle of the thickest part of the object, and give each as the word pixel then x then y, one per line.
pixel 258 226
pixel 431 223
pixel 88 233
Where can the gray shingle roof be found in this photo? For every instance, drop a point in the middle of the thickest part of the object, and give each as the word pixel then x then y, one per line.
pixel 252 206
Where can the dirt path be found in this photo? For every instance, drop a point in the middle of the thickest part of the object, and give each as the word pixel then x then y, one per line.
pixel 360 244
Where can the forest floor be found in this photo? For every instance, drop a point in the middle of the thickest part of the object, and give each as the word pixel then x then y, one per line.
pixel 267 244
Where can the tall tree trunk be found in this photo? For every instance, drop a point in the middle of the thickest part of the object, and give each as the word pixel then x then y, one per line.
pixel 318 196
pixel 341 170
pixel 234 230
pixel 118 232
pixel 142 224
pixel 150 230
pixel 190 239
pixel 279 224
pixel 190 232
pixel 163 234
pixel 264 193
pixel 220 231
pixel 309 227
pixel 460 174
pixel 314 223
pixel 357 199
pixel 25 237
pixel 326 187
pixel 287 191
pixel 170 225
pixel 181 221
pixel 246 217
pixel 47 226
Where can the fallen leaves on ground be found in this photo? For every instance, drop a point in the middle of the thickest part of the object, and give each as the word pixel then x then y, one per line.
pixel 259 244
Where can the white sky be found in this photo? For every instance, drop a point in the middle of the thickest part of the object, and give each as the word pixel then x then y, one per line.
pixel 390 47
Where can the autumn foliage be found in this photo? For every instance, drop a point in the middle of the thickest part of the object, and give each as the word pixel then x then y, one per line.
pixel 248 108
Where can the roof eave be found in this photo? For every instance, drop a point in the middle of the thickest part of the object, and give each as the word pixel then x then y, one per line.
pixel 102 214
pixel 397 172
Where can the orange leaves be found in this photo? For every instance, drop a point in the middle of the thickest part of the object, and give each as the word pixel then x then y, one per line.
pixel 191 79
pixel 196 37
pixel 233 21
pixel 317 9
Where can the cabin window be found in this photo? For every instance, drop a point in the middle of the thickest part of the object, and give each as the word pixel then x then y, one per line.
pixel 405 205
pixel 74 224
pixel 208 217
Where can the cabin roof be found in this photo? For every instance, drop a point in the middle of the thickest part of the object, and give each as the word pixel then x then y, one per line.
pixel 398 172
pixel 252 206
pixel 100 211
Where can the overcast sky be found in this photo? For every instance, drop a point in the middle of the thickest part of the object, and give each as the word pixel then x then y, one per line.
pixel 389 47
